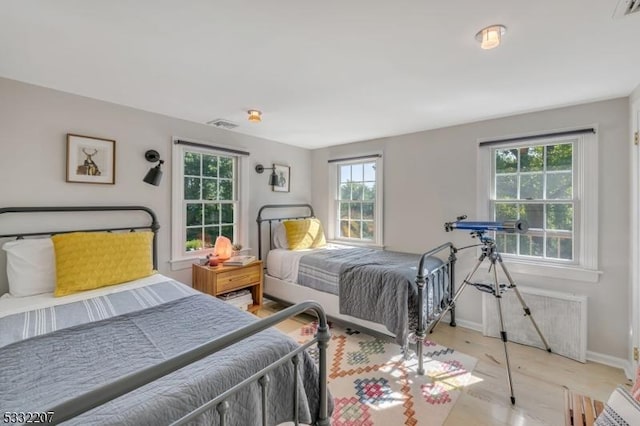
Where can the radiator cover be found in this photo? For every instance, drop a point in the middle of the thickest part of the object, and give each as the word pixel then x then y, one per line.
pixel 562 318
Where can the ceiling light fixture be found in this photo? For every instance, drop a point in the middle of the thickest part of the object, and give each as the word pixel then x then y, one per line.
pixel 255 116
pixel 491 36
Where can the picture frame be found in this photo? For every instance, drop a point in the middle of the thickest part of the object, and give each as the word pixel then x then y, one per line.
pixel 284 178
pixel 91 159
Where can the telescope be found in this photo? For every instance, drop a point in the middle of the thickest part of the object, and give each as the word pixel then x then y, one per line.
pixel 509 226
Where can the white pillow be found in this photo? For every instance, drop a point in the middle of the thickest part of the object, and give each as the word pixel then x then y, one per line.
pixel 31 266
pixel 280 236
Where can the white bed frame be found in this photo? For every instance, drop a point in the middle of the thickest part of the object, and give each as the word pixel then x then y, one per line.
pixel 292 293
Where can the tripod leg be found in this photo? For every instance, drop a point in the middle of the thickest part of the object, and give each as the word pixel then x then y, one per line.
pixel 421 336
pixel 503 333
pixel 527 311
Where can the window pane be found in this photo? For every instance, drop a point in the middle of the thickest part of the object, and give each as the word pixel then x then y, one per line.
pixel 531 159
pixel 367 230
pixel 191 188
pixel 357 191
pixel 344 228
pixel 210 235
pixel 506 243
pixel 194 214
pixel 194 239
pixel 560 216
pixel 225 190
pixel 506 187
pixel 507 161
pixel 355 226
pixel 356 211
pixel 345 174
pixel 227 213
pixel 531 186
pixel 559 186
pixel 560 247
pixel 211 214
pixel 227 231
pixel 506 211
pixel 344 211
pixel 566 248
pixel 531 245
pixel 345 191
pixel 191 164
pixel 209 189
pixel 356 173
pixel 533 214
pixel 210 165
pixel 559 157
pixel 370 171
pixel 225 166
pixel 369 191
pixel 367 211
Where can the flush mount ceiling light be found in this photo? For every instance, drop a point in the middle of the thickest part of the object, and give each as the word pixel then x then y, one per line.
pixel 255 116
pixel 491 36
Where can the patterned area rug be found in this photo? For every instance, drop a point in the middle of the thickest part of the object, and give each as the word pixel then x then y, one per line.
pixel 373 385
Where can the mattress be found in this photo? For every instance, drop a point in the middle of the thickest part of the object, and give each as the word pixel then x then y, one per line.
pixel 284 264
pixel 10 305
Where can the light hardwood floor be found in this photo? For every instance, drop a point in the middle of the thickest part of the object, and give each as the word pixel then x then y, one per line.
pixel 539 378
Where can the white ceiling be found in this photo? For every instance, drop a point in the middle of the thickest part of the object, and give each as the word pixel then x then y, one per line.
pixel 324 72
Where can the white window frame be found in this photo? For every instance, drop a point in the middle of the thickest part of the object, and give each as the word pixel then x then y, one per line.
pixel 334 215
pixel 181 259
pixel 584 267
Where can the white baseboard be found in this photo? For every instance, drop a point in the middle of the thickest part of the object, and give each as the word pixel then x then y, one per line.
pixel 475 326
pixel 612 361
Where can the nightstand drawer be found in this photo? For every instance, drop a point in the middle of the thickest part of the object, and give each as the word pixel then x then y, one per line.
pixel 231 280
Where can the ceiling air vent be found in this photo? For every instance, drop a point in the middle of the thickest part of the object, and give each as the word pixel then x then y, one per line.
pixel 626 7
pixel 222 124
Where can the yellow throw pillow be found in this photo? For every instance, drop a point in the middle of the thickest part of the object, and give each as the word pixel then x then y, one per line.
pixel 89 260
pixel 304 234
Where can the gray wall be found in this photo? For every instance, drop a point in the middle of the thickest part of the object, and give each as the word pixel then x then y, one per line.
pixel 635 95
pixel 430 178
pixel 35 121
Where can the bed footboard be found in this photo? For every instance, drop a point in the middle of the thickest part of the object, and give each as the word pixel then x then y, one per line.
pixel 110 391
pixel 438 299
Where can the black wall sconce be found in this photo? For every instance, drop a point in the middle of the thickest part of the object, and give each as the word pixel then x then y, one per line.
pixel 273 179
pixel 154 175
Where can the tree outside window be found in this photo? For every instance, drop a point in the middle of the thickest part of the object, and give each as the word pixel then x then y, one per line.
pixel 535 183
pixel 210 204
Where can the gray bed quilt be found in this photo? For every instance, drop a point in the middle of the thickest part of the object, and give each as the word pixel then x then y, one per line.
pixel 40 372
pixel 374 285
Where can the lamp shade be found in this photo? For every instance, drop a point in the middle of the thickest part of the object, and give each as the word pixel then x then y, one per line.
pixel 154 175
pixel 222 248
pixel 273 179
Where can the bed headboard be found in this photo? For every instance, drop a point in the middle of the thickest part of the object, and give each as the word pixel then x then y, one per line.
pixel 61 229
pixel 304 211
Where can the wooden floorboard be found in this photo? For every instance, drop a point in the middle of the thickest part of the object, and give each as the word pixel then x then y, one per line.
pixel 539 379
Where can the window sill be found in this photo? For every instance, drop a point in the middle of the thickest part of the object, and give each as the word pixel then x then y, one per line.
pixel 357 244
pixel 184 263
pixel 568 272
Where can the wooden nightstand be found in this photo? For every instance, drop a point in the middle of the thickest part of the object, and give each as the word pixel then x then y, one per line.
pixel 217 280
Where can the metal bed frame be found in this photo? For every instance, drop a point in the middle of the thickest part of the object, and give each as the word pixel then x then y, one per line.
pixel 94 398
pixel 429 315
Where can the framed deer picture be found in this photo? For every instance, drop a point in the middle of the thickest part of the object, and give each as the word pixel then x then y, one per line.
pixel 91 160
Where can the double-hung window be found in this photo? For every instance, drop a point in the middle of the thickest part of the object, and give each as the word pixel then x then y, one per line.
pixel 206 199
pixel 357 207
pixel 209 200
pixel 551 183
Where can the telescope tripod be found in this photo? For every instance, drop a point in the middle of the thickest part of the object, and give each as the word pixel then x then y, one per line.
pixel 489 251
